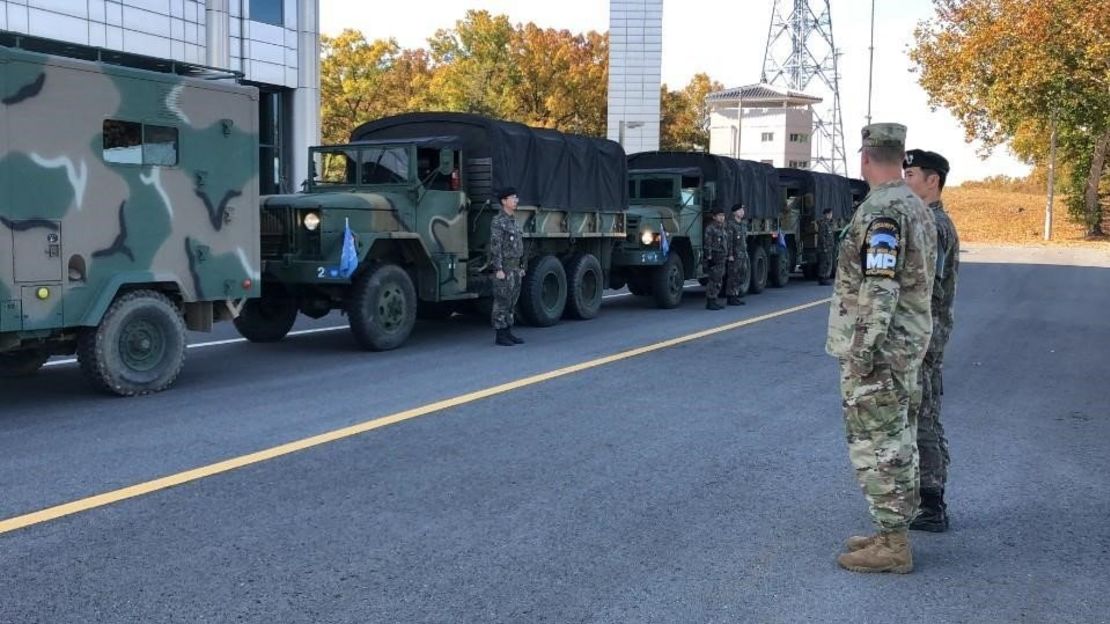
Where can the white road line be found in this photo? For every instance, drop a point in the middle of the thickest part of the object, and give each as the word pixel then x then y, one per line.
pixel 302 332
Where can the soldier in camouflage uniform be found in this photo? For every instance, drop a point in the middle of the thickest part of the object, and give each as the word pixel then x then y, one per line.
pixel 738 271
pixel 506 251
pixel 826 247
pixel 879 324
pixel 716 254
pixel 925 174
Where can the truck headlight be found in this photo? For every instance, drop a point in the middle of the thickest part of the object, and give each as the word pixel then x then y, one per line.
pixel 311 221
pixel 646 237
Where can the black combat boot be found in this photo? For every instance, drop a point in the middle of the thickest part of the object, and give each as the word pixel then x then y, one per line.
pixel 735 301
pixel 933 514
pixel 512 336
pixel 503 338
pixel 713 304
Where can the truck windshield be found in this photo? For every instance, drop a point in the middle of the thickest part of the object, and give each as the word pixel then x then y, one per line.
pixel 657 188
pixel 372 165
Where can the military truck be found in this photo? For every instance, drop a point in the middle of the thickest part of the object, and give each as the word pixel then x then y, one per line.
pixel 671 194
pixel 397 222
pixel 807 195
pixel 129 214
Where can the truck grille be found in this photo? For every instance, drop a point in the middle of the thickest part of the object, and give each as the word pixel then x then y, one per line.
pixel 276 236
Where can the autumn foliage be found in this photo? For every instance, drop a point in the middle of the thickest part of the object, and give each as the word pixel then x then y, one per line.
pixel 487 65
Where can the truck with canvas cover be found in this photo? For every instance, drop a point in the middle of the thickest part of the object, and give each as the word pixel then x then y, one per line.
pixel 807 195
pixel 397 222
pixel 671 194
pixel 128 212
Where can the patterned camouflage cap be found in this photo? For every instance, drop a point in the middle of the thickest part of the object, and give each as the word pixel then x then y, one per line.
pixel 884 135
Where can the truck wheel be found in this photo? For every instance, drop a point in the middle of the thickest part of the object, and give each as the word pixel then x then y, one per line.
pixel 138 348
pixel 22 363
pixel 381 307
pixel 668 281
pixel 268 318
pixel 543 295
pixel 584 286
pixel 758 256
pixel 779 269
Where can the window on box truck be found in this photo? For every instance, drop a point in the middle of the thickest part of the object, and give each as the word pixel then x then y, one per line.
pixel 132 143
pixel 657 188
pixel 337 167
pixel 387 165
pixel 690 186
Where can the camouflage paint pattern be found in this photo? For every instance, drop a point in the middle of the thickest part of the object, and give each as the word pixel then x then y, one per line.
pixel 738 271
pixel 931 442
pixel 879 327
pixel 82 227
pixel 718 247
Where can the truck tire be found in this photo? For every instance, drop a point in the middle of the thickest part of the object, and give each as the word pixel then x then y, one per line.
pixel 779 269
pixel 543 295
pixel 585 286
pixel 758 256
pixel 268 318
pixel 138 347
pixel 381 307
pixel 668 281
pixel 22 363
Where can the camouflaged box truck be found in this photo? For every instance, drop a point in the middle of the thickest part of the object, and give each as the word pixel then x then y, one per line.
pixel 397 223
pixel 672 192
pixel 128 210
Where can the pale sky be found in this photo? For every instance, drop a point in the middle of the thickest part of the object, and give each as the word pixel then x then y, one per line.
pixel 726 39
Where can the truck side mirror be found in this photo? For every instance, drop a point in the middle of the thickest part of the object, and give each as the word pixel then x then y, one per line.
pixel 446 161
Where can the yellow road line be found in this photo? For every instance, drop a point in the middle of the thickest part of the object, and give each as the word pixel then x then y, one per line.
pixel 107 498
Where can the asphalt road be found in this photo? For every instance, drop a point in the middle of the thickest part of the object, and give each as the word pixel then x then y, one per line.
pixel 702 482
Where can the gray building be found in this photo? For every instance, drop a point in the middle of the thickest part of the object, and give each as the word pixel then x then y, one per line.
pixel 274 44
pixel 635 73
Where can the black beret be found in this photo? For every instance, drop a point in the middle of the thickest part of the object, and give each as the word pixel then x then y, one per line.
pixel 926 160
pixel 716 210
pixel 736 207
pixel 505 192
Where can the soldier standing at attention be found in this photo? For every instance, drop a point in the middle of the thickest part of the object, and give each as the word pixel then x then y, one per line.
pixel 506 253
pixel 879 326
pixel 826 247
pixel 925 174
pixel 716 253
pixel 737 269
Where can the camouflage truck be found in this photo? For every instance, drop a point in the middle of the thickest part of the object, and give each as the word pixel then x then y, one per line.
pixel 807 195
pixel 397 223
pixel 127 210
pixel 671 194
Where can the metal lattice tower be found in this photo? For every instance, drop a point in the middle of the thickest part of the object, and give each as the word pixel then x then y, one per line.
pixel 799 50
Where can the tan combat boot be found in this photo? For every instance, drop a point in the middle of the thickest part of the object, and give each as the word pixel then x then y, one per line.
pixel 887 552
pixel 859 542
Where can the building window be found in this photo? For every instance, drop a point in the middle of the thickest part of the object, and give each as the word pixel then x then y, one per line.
pixel 768 137
pixel 271 131
pixel 799 164
pixel 268 11
pixel 799 138
pixel 132 143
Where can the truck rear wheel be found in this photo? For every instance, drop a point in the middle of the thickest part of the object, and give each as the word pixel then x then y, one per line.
pixel 758 256
pixel 381 308
pixel 779 271
pixel 138 348
pixel 668 282
pixel 268 318
pixel 584 286
pixel 22 363
pixel 543 295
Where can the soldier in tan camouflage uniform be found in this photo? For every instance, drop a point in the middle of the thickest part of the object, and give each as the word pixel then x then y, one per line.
pixel 506 251
pixel 925 174
pixel 738 271
pixel 826 247
pixel 716 252
pixel 879 325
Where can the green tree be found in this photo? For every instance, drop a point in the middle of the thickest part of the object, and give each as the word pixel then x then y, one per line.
pixel 1008 68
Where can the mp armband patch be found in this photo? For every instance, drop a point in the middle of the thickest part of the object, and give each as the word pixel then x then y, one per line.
pixel 881 247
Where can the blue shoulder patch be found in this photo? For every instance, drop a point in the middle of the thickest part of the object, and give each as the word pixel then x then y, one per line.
pixel 882 244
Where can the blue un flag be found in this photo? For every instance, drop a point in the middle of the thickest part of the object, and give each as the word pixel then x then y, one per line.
pixel 348 258
pixel 664 240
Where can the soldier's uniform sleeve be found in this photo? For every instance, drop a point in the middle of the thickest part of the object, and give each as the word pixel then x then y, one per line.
pixel 496 244
pixel 881 259
pixel 948 258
